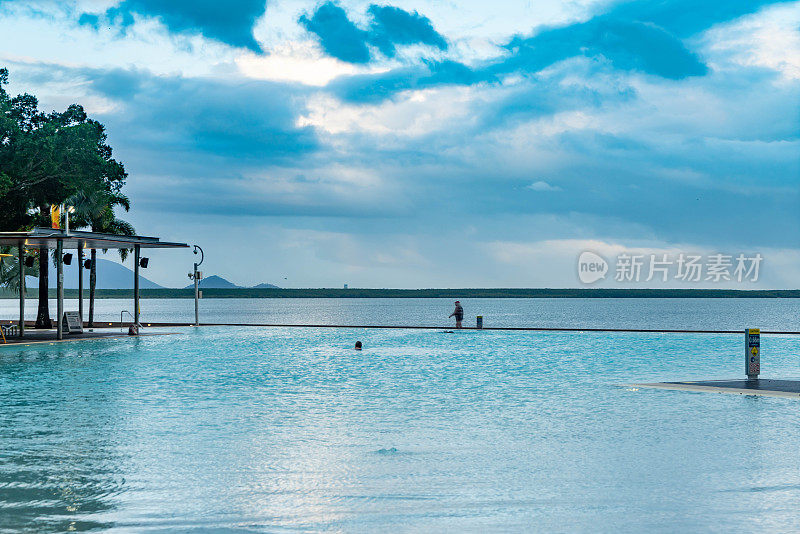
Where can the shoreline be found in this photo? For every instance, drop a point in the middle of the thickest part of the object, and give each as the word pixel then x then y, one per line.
pixel 465 293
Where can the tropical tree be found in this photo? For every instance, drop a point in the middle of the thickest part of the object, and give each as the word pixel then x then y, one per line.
pixel 95 209
pixel 45 159
pixel 9 269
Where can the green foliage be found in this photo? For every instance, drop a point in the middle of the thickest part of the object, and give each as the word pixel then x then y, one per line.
pixel 9 269
pixel 46 158
pixel 95 208
pixel 55 158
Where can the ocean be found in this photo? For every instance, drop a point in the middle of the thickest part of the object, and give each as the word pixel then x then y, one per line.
pixel 687 314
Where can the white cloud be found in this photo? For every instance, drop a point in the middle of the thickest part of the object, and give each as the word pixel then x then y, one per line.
pixel 416 114
pixel 770 39
pixel 543 186
pixel 294 62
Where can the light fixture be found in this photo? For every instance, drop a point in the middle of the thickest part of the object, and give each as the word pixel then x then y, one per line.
pixel 67 211
pixel 68 258
pixel 143 262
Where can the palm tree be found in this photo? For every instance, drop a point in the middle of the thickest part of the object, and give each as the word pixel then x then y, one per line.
pixel 43 311
pixel 9 269
pixel 95 209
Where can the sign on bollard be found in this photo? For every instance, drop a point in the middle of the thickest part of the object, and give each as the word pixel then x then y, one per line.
pixel 752 353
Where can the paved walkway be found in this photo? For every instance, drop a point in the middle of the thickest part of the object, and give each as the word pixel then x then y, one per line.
pixel 49 336
pixel 763 387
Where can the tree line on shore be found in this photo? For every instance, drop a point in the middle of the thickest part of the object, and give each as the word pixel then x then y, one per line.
pixel 465 293
pixel 53 159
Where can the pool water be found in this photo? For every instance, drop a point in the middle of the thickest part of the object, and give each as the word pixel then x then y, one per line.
pixel 779 314
pixel 281 429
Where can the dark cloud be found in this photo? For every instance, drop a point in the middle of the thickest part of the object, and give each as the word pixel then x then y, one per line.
pixel 638 36
pixel 632 46
pixel 230 22
pixel 633 35
pixel 628 46
pixel 390 26
pixel 205 121
pixel 687 17
pixel 89 19
pixel 337 34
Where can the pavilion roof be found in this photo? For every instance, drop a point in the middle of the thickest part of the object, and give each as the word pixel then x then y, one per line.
pixel 47 237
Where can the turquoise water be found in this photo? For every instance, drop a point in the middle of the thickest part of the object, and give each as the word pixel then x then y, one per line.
pixel 687 314
pixel 259 429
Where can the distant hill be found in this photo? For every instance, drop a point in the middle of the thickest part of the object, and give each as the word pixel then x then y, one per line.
pixel 265 286
pixel 110 275
pixel 214 282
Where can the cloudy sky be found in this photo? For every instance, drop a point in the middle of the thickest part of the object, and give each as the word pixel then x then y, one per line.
pixel 431 143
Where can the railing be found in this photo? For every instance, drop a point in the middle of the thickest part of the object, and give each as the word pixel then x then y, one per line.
pixel 10 330
pixel 123 312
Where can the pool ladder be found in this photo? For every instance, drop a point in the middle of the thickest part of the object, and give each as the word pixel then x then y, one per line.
pixel 121 314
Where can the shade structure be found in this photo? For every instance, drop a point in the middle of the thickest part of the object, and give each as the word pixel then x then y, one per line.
pixel 60 240
pixel 49 238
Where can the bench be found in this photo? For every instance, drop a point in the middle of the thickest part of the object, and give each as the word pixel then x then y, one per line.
pixel 9 330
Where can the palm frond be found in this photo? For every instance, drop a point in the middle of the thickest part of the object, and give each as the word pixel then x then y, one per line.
pixel 9 269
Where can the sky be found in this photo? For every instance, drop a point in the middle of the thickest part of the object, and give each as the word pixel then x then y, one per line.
pixel 437 143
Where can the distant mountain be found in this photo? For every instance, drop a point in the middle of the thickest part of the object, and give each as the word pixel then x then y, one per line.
pixel 110 275
pixel 214 282
pixel 217 282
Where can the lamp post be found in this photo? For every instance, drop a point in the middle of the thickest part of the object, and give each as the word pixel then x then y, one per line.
pixel 196 276
pixel 70 209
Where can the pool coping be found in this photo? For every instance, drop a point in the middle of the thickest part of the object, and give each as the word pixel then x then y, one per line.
pixel 702 387
pixel 15 342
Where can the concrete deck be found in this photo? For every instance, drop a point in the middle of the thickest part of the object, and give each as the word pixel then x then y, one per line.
pixel 49 336
pixel 762 387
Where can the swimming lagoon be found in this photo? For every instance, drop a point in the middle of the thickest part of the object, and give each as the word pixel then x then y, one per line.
pixel 287 429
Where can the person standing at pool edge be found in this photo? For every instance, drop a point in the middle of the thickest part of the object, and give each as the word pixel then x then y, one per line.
pixel 458 313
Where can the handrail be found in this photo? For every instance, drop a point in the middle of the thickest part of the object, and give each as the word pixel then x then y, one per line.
pixel 122 327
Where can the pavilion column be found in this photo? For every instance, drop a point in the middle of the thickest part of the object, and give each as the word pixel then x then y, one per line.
pixel 60 287
pixel 80 281
pixel 136 254
pixel 21 259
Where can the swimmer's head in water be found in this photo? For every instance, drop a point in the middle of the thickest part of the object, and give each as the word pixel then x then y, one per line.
pixel 358 345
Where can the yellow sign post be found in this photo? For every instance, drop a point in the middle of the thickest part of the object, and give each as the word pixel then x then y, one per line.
pixel 752 353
